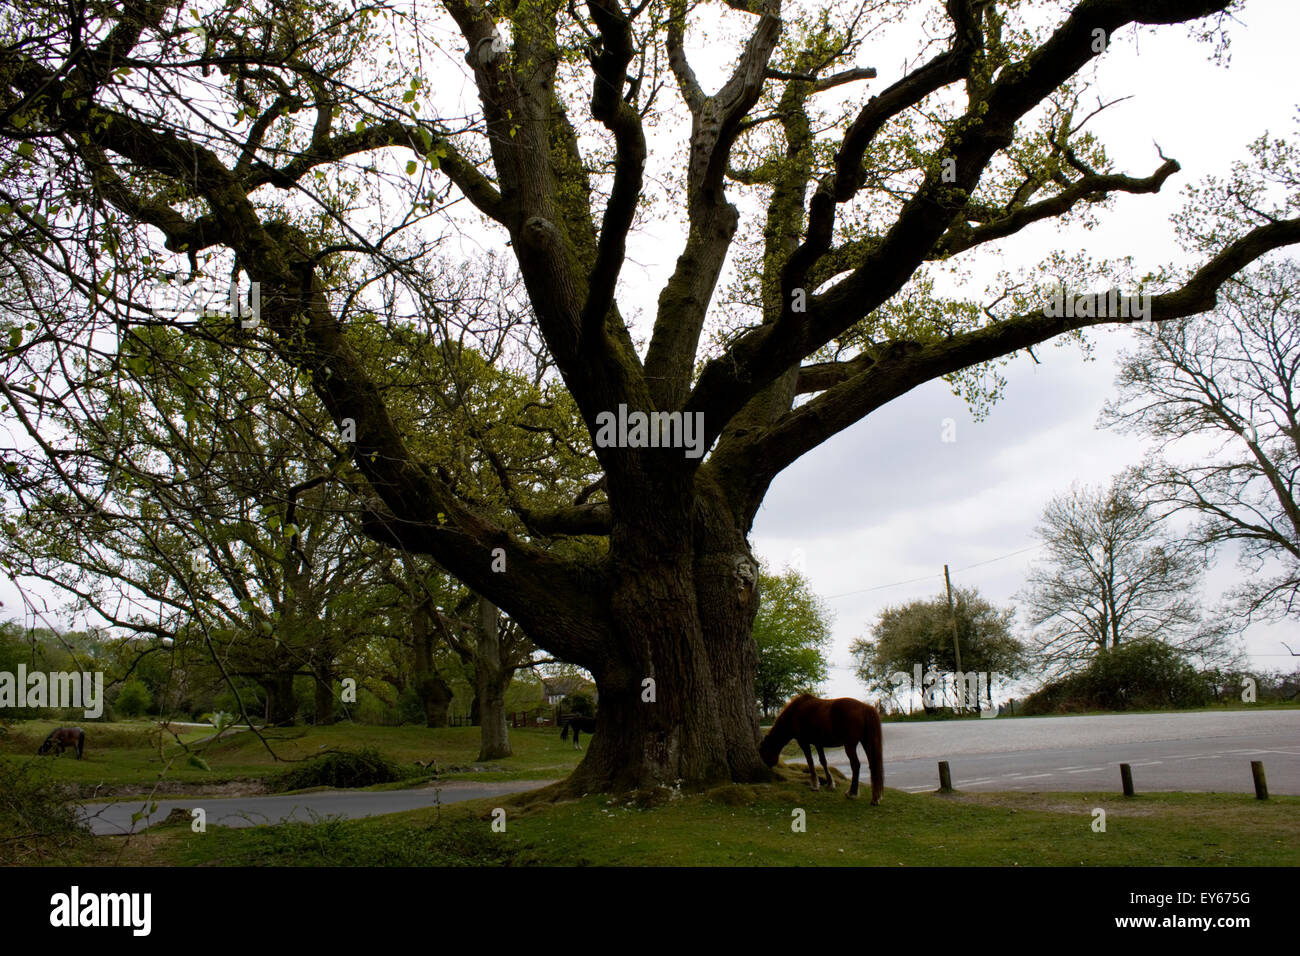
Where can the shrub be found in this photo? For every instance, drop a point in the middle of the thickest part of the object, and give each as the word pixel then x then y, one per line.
pixel 34 820
pixel 344 768
pixel 578 704
pixel 133 699
pixel 1143 675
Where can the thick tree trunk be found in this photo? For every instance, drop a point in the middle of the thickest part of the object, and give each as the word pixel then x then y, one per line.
pixel 281 706
pixel 494 736
pixel 324 699
pixel 727 589
pixel 492 678
pixel 434 693
pixel 435 697
pixel 677 702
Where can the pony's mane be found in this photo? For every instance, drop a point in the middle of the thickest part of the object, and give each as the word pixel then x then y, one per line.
pixel 784 718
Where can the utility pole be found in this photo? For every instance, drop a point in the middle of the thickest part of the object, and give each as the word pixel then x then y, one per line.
pixel 956 646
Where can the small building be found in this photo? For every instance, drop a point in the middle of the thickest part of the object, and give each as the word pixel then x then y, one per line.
pixel 555 689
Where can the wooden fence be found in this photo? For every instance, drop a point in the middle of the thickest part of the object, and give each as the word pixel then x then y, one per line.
pixel 516 719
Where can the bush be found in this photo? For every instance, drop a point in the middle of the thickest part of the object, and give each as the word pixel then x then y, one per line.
pixel 581 704
pixel 34 820
pixel 133 699
pixel 344 768
pixel 410 709
pixel 1143 675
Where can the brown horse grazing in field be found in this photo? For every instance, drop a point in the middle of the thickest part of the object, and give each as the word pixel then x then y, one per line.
pixel 62 738
pixel 845 722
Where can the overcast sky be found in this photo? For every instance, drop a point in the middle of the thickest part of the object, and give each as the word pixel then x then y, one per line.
pixel 888 501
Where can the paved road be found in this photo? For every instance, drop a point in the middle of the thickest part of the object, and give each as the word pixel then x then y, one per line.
pixel 1193 752
pixel 115 818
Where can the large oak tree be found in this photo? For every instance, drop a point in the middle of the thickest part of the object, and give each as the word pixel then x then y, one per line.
pixel 269 141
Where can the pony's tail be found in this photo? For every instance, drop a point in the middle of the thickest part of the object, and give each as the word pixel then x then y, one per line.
pixel 872 743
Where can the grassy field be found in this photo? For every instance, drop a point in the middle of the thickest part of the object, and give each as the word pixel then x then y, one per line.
pixel 730 825
pixel 753 826
pixel 126 756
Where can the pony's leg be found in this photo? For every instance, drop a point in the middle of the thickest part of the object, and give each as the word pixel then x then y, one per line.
pixel 576 734
pixel 830 781
pixel 812 771
pixel 856 764
pixel 873 744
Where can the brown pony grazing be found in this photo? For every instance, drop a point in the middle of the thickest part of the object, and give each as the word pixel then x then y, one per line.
pixel 62 738
pixel 830 723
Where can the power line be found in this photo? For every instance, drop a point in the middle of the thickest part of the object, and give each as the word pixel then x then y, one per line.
pixel 927 577
pixel 1032 547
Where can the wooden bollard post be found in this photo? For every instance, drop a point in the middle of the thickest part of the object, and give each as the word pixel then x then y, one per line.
pixel 945 778
pixel 1126 777
pixel 1261 785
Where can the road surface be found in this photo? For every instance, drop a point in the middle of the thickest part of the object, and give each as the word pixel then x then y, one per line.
pixel 115 818
pixel 1192 752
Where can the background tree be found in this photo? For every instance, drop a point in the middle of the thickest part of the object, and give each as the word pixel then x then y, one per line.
pixel 210 526
pixel 792 630
pixel 1112 574
pixel 284 144
pixel 920 632
pixel 493 648
pixel 417 629
pixel 580 704
pixel 133 699
pixel 1232 378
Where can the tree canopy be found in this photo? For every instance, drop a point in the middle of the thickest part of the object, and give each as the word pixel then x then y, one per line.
pixel 920 634
pixel 792 630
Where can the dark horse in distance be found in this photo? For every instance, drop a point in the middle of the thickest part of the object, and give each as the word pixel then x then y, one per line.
pixel 845 722
pixel 62 738
pixel 579 724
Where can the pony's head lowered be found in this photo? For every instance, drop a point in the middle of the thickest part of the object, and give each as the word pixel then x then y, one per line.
pixel 782 731
pixel 770 749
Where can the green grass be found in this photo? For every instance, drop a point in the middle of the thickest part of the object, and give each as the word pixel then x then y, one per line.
pixel 126 754
pixel 731 825
pixel 739 825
